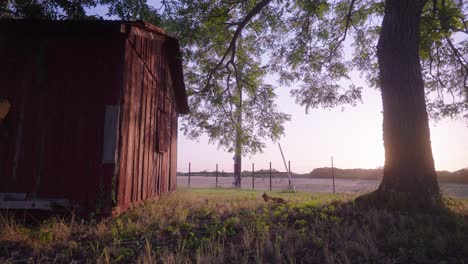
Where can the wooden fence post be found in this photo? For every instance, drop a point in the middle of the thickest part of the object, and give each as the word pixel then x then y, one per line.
pixel 189 174
pixel 253 177
pixel 270 175
pixel 333 175
pixel 216 175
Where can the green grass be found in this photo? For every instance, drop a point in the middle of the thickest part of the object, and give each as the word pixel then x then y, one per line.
pixel 232 226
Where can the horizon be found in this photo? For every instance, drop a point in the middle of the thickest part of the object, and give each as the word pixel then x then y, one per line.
pixel 275 170
pixel 311 139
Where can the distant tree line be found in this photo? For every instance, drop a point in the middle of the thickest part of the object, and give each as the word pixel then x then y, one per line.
pixel 459 176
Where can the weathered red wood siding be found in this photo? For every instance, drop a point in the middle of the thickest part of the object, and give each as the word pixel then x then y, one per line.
pixel 148 128
pixel 59 86
pixel 61 77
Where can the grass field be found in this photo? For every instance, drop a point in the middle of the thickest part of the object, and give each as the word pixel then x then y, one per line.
pixel 232 226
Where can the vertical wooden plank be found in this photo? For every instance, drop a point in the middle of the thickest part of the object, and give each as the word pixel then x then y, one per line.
pixel 156 171
pixel 154 150
pixel 138 44
pixel 143 52
pixel 163 173
pixel 171 152
pixel 136 87
pixel 174 150
pixel 142 48
pixel 149 136
pixel 139 136
pixel 166 171
pixel 166 174
pixel 131 130
pixel 146 126
pixel 160 171
pixel 143 142
pixel 149 139
pixel 157 52
pixel 147 53
pixel 152 54
pixel 125 169
pixel 165 121
pixel 137 84
pixel 145 135
pixel 157 65
pixel 132 40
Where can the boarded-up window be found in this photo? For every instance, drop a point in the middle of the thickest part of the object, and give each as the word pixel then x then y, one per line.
pixel 110 134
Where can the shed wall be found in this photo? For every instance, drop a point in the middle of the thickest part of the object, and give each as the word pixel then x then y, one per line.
pixel 59 87
pixel 148 127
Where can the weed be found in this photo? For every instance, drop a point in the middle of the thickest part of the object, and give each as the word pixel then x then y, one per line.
pixel 217 226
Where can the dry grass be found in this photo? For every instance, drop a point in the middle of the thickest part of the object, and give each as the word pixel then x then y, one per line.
pixel 218 226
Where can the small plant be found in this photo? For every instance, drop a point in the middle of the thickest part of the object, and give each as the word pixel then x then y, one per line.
pixel 226 226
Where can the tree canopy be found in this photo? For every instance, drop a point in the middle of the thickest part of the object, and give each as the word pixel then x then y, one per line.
pixel 304 43
pixel 230 47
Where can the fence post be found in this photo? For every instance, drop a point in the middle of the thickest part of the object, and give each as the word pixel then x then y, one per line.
pixel 333 175
pixel 216 175
pixel 189 174
pixel 253 177
pixel 270 176
pixel 289 170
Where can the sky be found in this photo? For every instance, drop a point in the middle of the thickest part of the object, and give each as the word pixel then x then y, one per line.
pixel 353 137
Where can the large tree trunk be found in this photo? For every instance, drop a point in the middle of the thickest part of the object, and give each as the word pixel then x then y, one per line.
pixel 409 165
pixel 238 145
pixel 237 170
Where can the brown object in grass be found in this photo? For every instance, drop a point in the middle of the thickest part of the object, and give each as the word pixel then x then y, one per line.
pixel 267 198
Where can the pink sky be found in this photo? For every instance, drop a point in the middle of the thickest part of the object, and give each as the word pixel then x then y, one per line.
pixel 352 136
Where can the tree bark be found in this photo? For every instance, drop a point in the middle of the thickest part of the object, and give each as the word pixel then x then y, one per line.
pixel 237 170
pixel 238 147
pixel 409 164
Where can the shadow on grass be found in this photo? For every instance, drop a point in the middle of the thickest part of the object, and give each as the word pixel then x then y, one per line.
pixel 398 228
pixel 225 227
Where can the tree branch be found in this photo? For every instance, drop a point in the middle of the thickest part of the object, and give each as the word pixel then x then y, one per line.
pixel 343 38
pixel 460 58
pixel 232 45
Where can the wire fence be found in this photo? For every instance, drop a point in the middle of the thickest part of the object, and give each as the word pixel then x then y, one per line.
pixel 263 179
pixel 274 180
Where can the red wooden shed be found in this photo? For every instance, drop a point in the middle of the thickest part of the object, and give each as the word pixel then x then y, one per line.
pixel 90 114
